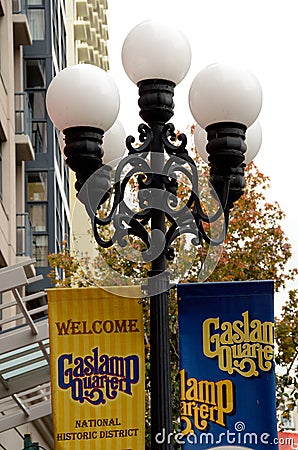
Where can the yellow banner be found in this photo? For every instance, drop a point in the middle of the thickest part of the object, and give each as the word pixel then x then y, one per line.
pixel 97 368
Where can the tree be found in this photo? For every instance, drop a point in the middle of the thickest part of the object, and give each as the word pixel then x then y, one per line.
pixel 256 248
pixel 286 336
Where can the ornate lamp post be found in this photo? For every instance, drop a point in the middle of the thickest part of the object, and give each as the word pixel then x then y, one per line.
pixel 83 102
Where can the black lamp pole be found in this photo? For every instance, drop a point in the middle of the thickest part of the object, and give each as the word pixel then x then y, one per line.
pixel 157 189
pixel 223 100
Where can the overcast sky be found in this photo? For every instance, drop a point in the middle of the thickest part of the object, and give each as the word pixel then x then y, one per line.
pixel 259 34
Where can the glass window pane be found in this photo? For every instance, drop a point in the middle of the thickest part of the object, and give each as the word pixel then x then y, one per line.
pixel 35 73
pixel 37 186
pixel 40 250
pixel 39 136
pixel 38 217
pixel 36 23
pixel 37 103
pixel 35 2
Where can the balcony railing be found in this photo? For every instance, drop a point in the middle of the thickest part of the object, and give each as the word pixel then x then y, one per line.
pixel 23 114
pixel 24 235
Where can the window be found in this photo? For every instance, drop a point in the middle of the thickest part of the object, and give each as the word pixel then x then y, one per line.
pixel 38 217
pixel 66 231
pixel 37 201
pixel 37 101
pixel 35 73
pixel 63 43
pixel 66 181
pixel 37 186
pixel 35 85
pixel 36 23
pixel 40 250
pixel 55 29
pixel 59 218
pixel 39 136
pixel 36 19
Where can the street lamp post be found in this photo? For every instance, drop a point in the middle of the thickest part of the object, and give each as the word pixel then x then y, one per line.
pixel 83 102
pixel 29 445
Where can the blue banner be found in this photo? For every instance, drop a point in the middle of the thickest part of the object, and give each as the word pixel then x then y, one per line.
pixel 226 333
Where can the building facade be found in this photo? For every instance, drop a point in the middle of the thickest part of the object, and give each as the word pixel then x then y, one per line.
pixel 38 38
pixel 47 184
pixel 15 141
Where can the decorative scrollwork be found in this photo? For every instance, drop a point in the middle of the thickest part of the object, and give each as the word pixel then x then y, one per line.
pixel 145 136
pixel 169 132
pixel 185 165
pixel 183 217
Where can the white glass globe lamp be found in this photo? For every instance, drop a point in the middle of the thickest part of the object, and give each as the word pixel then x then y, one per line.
pixel 114 143
pixel 154 50
pixel 224 93
pixel 83 95
pixel 253 141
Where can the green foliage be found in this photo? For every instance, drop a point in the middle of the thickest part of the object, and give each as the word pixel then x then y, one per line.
pixel 256 247
pixel 66 263
pixel 286 336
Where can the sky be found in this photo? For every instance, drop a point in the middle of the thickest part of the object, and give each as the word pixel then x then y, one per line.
pixel 261 35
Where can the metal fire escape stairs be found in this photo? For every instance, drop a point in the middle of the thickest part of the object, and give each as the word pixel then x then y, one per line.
pixel 25 394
